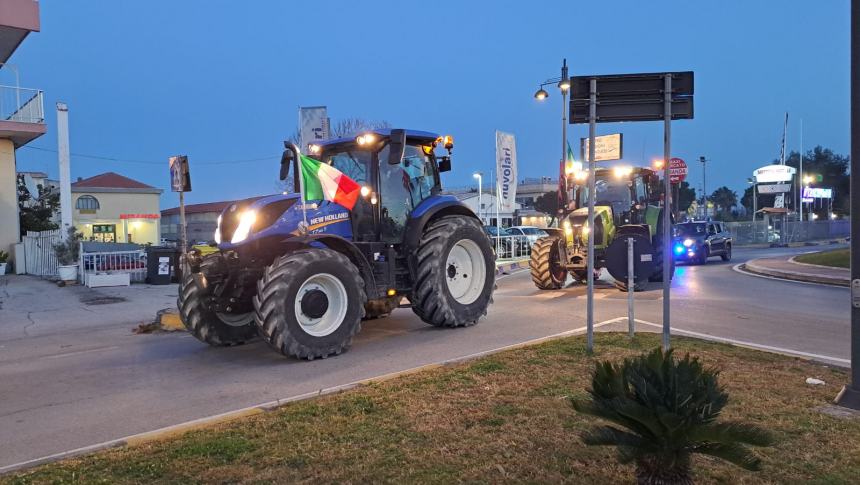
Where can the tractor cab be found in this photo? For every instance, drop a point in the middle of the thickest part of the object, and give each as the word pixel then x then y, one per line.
pixel 625 191
pixel 397 171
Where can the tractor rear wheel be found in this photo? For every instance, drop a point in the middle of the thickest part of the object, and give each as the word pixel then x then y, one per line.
pixel 546 269
pixel 309 303
pixel 211 327
pixel 455 273
pixel 381 308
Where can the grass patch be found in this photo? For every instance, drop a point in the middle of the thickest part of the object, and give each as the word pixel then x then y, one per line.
pixel 838 258
pixel 504 418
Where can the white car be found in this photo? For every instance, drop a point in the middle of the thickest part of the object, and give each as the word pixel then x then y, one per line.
pixel 531 233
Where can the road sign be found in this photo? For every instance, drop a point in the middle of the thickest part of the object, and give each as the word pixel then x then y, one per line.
pixel 773 173
pixel 677 170
pixel 632 97
pixel 606 147
pixel 774 188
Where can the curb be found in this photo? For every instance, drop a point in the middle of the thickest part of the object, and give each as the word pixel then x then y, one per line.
pixel 753 267
pixel 508 266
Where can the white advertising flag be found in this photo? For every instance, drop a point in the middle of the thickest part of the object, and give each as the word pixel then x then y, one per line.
pixel 313 126
pixel 506 170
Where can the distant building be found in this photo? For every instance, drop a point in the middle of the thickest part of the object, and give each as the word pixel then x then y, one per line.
pixel 202 219
pixel 112 208
pixel 529 189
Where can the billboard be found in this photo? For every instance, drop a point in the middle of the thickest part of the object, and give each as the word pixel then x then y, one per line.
pixel 817 193
pixel 313 126
pixel 774 188
pixel 606 147
pixel 506 170
pixel 774 173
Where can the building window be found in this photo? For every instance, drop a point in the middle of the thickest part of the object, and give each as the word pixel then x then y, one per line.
pixel 87 204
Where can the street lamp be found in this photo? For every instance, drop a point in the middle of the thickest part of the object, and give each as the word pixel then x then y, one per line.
pixel 704 185
pixel 479 176
pixel 563 83
pixel 752 181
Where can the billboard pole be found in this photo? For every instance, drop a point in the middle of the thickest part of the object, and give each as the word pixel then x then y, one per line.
pixel 850 394
pixel 667 205
pixel 592 128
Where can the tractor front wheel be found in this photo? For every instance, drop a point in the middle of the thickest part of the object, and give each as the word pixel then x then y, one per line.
pixel 309 303
pixel 545 265
pixel 455 273
pixel 211 327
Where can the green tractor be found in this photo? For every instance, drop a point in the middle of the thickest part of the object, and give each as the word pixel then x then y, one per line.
pixel 624 208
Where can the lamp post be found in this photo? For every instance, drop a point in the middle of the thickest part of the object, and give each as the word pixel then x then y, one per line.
pixel 704 185
pixel 563 83
pixel 479 176
pixel 755 206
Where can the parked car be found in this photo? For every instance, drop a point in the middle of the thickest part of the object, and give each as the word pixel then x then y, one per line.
pixel 697 241
pixel 508 245
pixel 531 233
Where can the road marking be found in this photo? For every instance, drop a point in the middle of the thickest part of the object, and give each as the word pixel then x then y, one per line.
pixel 79 352
pixel 737 269
pixel 173 430
pixel 743 343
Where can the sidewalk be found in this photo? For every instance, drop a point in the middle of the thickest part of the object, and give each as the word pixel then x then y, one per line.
pixel 31 306
pixel 786 267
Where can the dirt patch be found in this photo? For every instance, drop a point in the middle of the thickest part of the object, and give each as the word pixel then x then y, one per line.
pixel 101 299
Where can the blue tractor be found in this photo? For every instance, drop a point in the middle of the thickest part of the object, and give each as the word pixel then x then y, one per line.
pixel 303 275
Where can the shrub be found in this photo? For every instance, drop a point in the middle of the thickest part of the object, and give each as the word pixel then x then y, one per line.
pixel 4 256
pixel 68 251
pixel 665 410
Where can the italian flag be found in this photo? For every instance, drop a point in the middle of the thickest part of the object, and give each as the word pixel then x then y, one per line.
pixel 324 182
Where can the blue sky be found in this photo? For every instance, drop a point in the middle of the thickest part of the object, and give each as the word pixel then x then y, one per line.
pixel 222 80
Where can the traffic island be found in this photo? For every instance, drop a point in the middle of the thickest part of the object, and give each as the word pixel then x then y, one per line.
pixel 788 268
pixel 505 417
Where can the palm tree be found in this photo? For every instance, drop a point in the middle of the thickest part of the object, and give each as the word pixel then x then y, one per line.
pixel 724 198
pixel 664 410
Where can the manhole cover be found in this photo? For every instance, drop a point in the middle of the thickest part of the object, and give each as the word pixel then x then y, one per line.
pixel 102 300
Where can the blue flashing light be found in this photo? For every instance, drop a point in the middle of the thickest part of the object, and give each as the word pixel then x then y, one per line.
pixel 679 249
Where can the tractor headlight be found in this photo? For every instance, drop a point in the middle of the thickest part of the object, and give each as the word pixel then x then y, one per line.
pixel 218 231
pixel 246 220
pixel 688 242
pixel 568 230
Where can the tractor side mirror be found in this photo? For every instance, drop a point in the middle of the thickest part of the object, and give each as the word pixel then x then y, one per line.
pixel 444 164
pixel 396 146
pixel 286 159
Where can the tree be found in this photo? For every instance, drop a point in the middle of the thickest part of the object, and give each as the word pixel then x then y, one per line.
pixel 724 199
pixel 351 126
pixel 36 214
pixel 548 204
pixel 686 196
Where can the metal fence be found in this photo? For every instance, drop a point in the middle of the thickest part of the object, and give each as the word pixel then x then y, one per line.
pixel 777 231
pixel 511 247
pixel 112 258
pixel 39 256
pixel 25 105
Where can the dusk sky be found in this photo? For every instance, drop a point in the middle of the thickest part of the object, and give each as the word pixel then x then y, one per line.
pixel 222 80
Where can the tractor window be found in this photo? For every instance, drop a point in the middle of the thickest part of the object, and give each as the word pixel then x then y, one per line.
pixel 419 169
pixel 354 164
pixel 396 198
pixel 641 193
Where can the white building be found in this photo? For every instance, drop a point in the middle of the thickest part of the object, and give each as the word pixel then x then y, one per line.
pixel 485 207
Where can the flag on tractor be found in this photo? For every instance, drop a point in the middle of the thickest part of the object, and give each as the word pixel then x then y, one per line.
pixel 571 161
pixel 324 182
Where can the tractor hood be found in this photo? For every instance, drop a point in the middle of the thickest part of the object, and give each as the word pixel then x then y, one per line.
pixel 254 217
pixel 604 227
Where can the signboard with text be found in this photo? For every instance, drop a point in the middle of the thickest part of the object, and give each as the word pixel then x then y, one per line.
pixel 506 170
pixel 677 170
pixel 313 126
pixel 180 176
pixel 774 173
pixel 774 188
pixel 606 147
pixel 817 193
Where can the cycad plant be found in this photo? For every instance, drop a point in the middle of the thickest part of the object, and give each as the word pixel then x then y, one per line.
pixel 664 410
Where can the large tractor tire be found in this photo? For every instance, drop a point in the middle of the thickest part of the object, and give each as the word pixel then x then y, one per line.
pixel 310 303
pixel 657 277
pixel 545 265
pixel 381 308
pixel 455 273
pixel 214 328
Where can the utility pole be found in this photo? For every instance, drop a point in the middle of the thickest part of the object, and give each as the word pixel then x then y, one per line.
pixel 850 394
pixel 704 186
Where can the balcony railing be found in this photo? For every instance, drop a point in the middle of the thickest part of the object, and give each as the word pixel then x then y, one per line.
pixel 24 105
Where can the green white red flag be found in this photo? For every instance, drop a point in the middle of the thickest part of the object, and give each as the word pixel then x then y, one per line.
pixel 324 182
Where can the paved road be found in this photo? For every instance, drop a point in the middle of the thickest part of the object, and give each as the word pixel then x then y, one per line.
pixel 66 390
